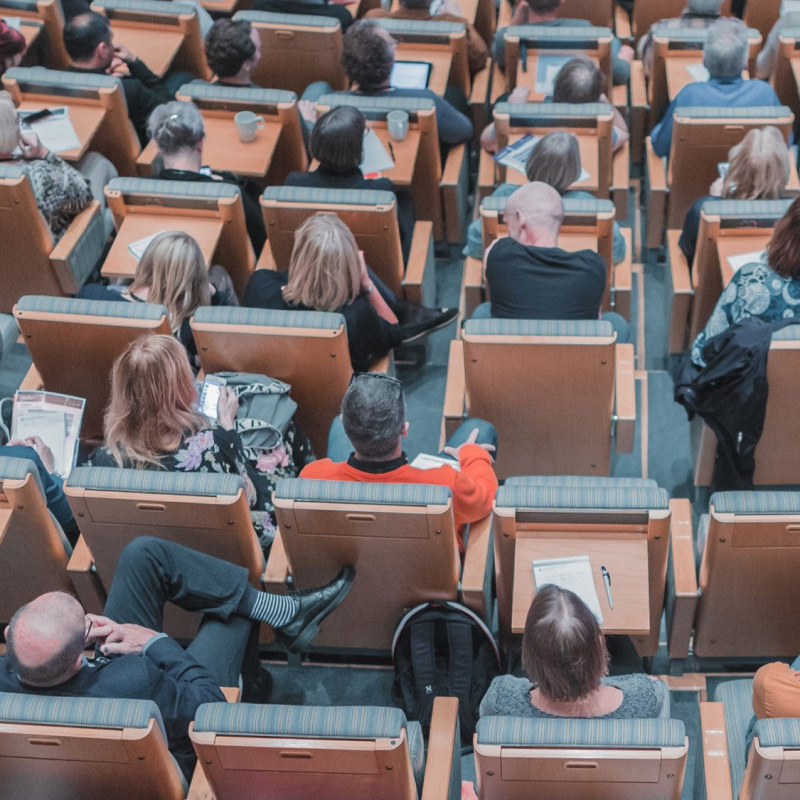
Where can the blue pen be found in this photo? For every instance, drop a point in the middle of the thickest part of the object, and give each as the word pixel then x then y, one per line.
pixel 607 582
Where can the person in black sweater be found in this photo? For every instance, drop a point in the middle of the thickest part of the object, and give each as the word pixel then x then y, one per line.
pixel 337 144
pixel 178 130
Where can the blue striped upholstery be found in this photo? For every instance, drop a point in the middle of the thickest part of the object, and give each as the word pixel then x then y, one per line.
pixel 752 209
pixel 586 497
pixel 231 315
pixel 354 197
pixel 432 27
pixel 693 34
pixel 416 750
pixel 532 732
pixel 756 502
pixel 86 253
pixel 17 469
pixel 51 81
pixel 571 206
pixel 200 90
pixel 79 712
pixel 778 732
pixel 9 171
pixel 560 34
pixel 8 334
pixel 294 20
pixel 42 304
pixel 552 111
pixel 581 481
pixel 154 186
pixel 537 327
pixel 737 699
pixel 791 333
pixel 379 106
pixel 732 112
pixel 196 484
pixel 790 32
pixel 149 7
pixel 411 494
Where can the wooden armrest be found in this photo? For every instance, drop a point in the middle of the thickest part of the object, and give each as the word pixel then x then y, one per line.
pixel 59 257
pixel 637 121
pixel 619 98
pixel 682 294
pixel 439 763
pixel 499 84
pixel 684 579
pixel 621 180
pixel 199 788
pixel 479 95
pixel 419 283
pixel 455 193
pixel 232 693
pixel 656 197
pixel 455 387
pixel 623 278
pixel 473 574
pixel 277 569
pixel 472 282
pixel 486 175
pixel 84 579
pixel 266 259
pixel 715 752
pixel 656 174
pixel 32 381
pixel 622 23
pixel 625 399
pixel 638 85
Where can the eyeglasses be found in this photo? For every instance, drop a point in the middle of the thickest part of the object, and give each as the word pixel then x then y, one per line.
pixel 380 375
pixel 88 623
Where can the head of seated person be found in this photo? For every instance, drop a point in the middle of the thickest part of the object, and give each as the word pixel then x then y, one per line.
pixel 45 640
pixel 89 41
pixel 555 160
pixel 12 47
pixel 726 50
pixel 534 214
pixel 374 416
pixel 177 128
pixel 759 167
pixel 233 50
pixel 337 140
pixel 368 56
pixel 9 128
pixel 532 11
pixel 325 269
pixel 580 80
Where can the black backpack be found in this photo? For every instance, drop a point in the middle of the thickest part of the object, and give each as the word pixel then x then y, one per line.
pixel 442 649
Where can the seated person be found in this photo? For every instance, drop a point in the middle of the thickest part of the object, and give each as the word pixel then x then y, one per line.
pixel 46 638
pixel 89 43
pixel 371 429
pixel 545 12
pixel 34 449
pixel 12 47
pixel 767 59
pixel 317 8
pixel 368 60
pixel 565 660
pixel 152 422
pixel 768 289
pixel 530 277
pixel 337 144
pixel 233 50
pixel 178 130
pixel 172 272
pixel 759 169
pixel 724 56
pixel 776 691
pixel 556 161
pixel 327 272
pixel 697 14
pixel 449 11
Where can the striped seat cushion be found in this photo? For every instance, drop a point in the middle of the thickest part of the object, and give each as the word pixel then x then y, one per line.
pixel 39 79
pixel 756 502
pixel 778 733
pixel 581 481
pixel 302 194
pixel 200 90
pixel 737 700
pixel 17 469
pixel 752 209
pixel 562 34
pixel 230 315
pixel 154 186
pixel 150 7
pixel 295 20
pixel 571 206
pixel 42 304
pixel 198 484
pixel 530 732
pixel 420 26
pixel 548 114
pixel 378 107
pixel 538 327
pixel 411 494
pixel 733 112
pixel 577 497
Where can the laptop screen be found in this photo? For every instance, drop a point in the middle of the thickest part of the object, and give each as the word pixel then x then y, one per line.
pixel 410 74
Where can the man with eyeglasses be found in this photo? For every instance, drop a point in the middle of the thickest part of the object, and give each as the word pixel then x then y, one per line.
pixel 366 444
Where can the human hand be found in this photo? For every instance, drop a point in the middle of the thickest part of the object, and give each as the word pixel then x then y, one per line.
pixel 308 110
pixel 98 628
pixel 42 450
pixel 117 67
pixel 123 54
pixel 126 639
pixel 488 141
pixel 31 147
pixel 715 190
pixel 626 53
pixel 366 281
pixel 227 406
pixel 471 439
pixel 519 95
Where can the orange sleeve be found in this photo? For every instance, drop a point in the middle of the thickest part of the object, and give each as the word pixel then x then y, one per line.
pixel 475 485
pixel 776 692
pixel 320 469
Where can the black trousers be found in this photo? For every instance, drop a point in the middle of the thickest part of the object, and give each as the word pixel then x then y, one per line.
pixel 152 572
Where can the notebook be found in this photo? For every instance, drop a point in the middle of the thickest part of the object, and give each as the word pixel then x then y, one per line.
pixel 573 573
pixel 55 132
pixel 698 72
pixel 547 69
pixel 410 75
pixel 425 461
pixel 137 248
pixel 737 262
pixel 375 159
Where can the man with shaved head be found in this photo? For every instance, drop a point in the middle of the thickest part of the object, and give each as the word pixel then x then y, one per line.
pixel 47 637
pixel 529 276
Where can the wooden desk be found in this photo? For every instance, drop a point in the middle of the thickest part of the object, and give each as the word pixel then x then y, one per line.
pixel 439 58
pixel 527 77
pixel 155 46
pixel 678 76
pixel 625 557
pixel 572 241
pixel 590 161
pixel 223 151
pixel 120 263
pixel 469 9
pixel 221 8
pixel 404 154
pixel 85 118
pixel 739 245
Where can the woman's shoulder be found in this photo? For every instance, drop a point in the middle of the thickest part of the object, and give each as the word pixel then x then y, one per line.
pixel 642 696
pixel 508 696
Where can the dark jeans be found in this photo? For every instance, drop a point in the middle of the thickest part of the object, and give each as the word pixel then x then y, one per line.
pixel 151 572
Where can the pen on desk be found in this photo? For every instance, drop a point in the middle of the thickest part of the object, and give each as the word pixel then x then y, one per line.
pixel 607 582
pixel 391 152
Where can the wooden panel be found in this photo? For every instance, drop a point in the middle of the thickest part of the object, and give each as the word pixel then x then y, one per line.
pixel 86 119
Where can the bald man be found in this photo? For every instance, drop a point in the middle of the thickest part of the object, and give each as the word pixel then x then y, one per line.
pixel 529 276
pixel 46 638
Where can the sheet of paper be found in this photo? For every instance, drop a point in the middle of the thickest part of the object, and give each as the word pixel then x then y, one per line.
pixel 516 155
pixel 573 573
pixel 13 22
pixel 737 262
pixel 137 248
pixel 698 72
pixel 425 461
pixel 55 132
pixel 50 427
pixel 547 69
pixel 375 159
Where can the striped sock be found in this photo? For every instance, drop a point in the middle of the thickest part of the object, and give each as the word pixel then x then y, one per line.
pixel 273 609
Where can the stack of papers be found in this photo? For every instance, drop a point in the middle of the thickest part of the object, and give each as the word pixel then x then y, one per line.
pixel 573 573
pixel 425 461
pixel 55 132
pixel 137 248
pixel 737 262
pixel 698 72
pixel 375 158
pixel 516 156
pixel 13 22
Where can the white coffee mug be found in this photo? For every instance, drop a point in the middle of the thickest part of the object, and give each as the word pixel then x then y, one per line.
pixel 247 123
pixel 397 123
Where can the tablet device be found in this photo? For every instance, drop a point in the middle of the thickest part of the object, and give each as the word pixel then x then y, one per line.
pixel 410 75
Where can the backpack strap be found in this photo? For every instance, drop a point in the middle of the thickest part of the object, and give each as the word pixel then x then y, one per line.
pixel 459 678
pixel 423 661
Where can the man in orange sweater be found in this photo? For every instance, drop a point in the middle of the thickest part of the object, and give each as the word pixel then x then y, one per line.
pixel 373 422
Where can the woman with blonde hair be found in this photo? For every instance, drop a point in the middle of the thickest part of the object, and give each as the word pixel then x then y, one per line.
pixel 758 170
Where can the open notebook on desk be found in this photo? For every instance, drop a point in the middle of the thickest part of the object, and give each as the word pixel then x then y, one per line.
pixel 573 573
pixel 55 131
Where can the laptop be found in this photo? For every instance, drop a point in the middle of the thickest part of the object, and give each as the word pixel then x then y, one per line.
pixel 410 75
